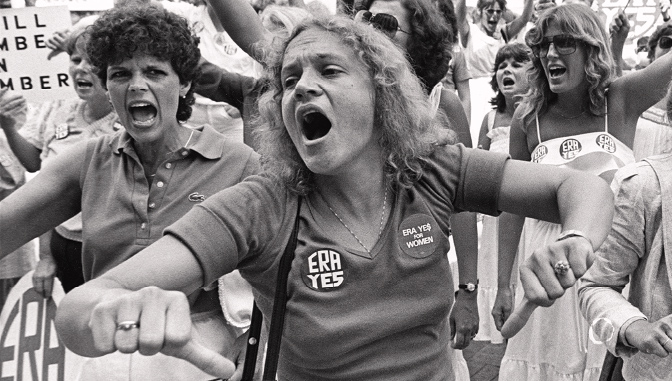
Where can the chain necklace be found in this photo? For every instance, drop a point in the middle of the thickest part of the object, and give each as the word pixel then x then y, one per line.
pixel 380 230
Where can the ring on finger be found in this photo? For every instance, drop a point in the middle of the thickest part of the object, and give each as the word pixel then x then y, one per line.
pixel 128 325
pixel 561 267
pixel 665 342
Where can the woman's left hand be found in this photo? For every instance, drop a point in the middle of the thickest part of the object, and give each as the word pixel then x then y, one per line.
pixel 464 319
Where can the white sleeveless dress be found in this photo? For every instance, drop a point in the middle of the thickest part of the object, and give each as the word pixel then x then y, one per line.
pixel 488 249
pixel 555 342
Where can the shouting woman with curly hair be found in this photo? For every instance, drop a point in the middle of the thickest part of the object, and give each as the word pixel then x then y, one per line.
pixel 575 115
pixel 132 184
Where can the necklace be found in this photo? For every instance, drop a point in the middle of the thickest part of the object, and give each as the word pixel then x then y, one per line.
pixel 185 146
pixel 380 230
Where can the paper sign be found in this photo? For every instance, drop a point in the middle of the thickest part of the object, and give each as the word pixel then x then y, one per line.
pixel 23 53
pixel 29 346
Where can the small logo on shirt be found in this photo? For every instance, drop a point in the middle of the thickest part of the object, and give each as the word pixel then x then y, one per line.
pixel 62 131
pixel 606 143
pixel 418 236
pixel 324 270
pixel 570 148
pixel 539 153
pixel 196 197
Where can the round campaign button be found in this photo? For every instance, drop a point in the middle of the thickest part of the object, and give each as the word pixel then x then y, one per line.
pixel 539 153
pixel 418 235
pixel 570 148
pixel 606 142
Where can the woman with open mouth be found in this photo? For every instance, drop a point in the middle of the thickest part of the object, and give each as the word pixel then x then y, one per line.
pixel 356 170
pixel 577 116
pixel 56 126
pixel 132 184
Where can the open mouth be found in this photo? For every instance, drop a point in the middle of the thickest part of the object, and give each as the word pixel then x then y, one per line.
pixel 315 125
pixel 556 71
pixel 143 113
pixel 508 82
pixel 83 84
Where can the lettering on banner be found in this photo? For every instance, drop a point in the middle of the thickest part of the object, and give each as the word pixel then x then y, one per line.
pixel 570 148
pixel 24 65
pixel 418 235
pixel 606 143
pixel 37 353
pixel 539 153
pixel 324 270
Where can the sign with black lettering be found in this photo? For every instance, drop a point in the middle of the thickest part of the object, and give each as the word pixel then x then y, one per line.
pixel 29 346
pixel 24 65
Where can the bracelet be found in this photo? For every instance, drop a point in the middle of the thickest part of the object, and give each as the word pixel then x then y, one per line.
pixel 573 233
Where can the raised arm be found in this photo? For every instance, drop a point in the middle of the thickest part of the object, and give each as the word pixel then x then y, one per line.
pixel 243 25
pixel 462 22
pixel 53 196
pixel 518 24
pixel 12 110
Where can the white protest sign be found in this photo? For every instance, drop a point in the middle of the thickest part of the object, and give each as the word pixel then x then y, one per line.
pixel 78 5
pixel 23 53
pixel 29 346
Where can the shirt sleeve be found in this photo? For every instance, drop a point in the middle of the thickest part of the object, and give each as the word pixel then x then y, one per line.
pixel 601 300
pixel 232 229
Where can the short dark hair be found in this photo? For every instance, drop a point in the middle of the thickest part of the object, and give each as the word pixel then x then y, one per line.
pixel 520 53
pixel 119 33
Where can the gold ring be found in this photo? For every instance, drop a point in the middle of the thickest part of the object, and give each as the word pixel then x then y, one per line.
pixel 128 325
pixel 665 343
pixel 561 267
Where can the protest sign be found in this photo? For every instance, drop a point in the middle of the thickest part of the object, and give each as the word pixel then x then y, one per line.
pixel 24 65
pixel 29 346
pixel 78 5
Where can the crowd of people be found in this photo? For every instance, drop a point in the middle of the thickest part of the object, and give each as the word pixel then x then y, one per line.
pixel 224 154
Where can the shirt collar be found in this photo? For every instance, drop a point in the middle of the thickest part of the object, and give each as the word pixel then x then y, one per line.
pixel 206 142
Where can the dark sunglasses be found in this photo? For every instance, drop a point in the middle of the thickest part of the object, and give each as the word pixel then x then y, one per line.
pixel 642 48
pixel 388 24
pixel 564 45
pixel 665 42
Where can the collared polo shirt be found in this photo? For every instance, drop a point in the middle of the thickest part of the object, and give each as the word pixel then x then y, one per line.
pixel 122 214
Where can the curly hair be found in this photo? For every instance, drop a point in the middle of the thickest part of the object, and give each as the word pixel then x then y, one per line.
pixel 663 30
pixel 519 52
pixel 409 130
pixel 122 32
pixel 582 23
pixel 430 43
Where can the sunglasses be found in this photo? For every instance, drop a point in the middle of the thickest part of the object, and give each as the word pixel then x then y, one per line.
pixel 491 12
pixel 665 42
pixel 387 24
pixel 564 45
pixel 642 48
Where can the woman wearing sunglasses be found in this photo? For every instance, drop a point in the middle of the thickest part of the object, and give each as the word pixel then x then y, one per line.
pixel 481 40
pixel 576 115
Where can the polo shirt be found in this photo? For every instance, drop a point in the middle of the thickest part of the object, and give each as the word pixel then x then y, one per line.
pixel 122 214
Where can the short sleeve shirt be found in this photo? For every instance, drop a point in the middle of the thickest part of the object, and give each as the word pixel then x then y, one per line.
pixel 351 314
pixel 122 214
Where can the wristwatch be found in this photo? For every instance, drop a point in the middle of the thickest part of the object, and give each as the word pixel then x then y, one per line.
pixel 469 287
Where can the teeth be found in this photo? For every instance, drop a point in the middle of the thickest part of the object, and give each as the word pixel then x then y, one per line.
pixel 141 104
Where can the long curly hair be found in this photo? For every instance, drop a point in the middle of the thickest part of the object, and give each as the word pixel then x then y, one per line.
pixel 519 52
pixel 122 32
pixel 409 130
pixel 582 23
pixel 430 43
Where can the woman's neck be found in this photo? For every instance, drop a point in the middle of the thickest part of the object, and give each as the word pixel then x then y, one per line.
pixel 152 154
pixel 95 110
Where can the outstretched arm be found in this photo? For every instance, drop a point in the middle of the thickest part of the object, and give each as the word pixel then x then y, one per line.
pixel 53 196
pixel 87 317
pixel 462 22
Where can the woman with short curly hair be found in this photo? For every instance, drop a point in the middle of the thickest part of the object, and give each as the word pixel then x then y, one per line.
pixel 575 115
